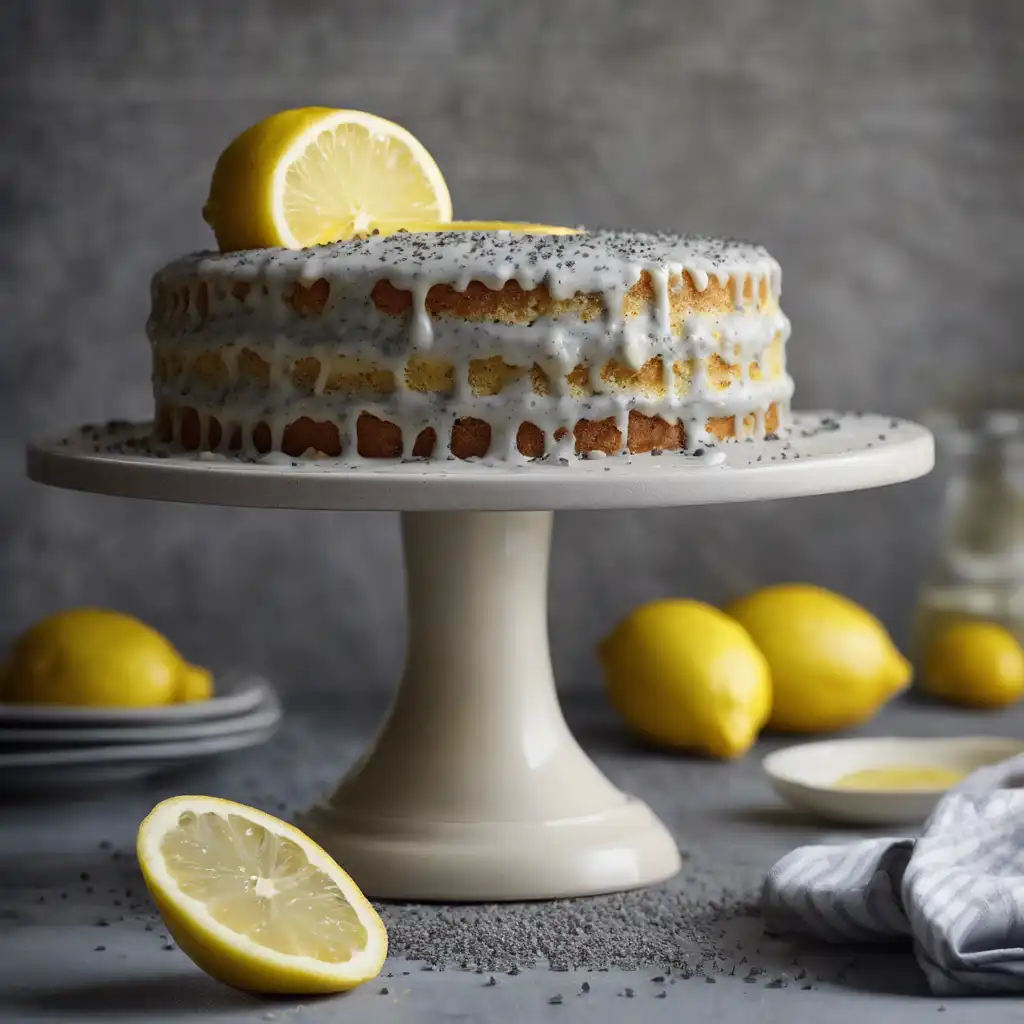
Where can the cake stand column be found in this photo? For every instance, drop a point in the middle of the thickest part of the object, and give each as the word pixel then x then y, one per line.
pixel 475 789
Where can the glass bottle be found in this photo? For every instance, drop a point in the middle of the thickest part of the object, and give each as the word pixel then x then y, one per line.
pixel 978 567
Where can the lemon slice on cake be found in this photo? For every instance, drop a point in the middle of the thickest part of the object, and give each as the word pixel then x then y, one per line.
pixel 305 177
pixel 515 226
pixel 254 902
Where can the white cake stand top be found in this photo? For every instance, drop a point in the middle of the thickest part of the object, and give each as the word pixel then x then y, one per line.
pixel 823 453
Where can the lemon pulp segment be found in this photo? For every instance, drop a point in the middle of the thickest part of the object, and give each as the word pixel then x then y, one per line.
pixel 350 178
pixel 261 885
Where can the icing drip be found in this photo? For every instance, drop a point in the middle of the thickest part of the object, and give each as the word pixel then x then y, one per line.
pixel 280 309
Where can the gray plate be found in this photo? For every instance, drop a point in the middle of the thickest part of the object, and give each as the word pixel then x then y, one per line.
pixel 85 766
pixel 265 715
pixel 235 694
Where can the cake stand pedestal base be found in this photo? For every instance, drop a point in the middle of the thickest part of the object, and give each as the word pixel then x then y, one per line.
pixel 475 788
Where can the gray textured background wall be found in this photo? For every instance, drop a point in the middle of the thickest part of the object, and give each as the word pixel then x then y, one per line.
pixel 873 145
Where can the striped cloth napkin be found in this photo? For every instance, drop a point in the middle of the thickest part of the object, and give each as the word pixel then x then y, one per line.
pixel 957 893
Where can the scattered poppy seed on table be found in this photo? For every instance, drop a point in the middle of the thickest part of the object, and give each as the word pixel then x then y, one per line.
pixel 662 928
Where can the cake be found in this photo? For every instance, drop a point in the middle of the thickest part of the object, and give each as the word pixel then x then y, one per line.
pixel 494 345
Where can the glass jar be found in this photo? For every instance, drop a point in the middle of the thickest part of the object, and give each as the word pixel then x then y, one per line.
pixel 978 567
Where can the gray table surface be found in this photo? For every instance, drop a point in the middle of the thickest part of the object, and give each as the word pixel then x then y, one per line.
pixel 729 824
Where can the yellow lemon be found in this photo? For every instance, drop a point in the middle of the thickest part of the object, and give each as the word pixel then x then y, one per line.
pixel 254 902
pixel 976 663
pixel 194 683
pixel 683 674
pixel 314 175
pixel 832 662
pixel 98 658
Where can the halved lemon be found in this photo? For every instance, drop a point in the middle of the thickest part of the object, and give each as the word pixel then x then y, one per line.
pixel 254 902
pixel 314 175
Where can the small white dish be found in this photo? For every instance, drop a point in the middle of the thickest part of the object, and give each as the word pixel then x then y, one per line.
pixel 805 775
pixel 236 694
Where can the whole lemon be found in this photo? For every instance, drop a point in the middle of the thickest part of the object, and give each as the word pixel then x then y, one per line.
pixel 833 664
pixel 976 663
pixel 90 657
pixel 684 675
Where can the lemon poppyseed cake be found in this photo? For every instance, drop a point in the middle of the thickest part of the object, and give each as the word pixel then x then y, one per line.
pixel 489 344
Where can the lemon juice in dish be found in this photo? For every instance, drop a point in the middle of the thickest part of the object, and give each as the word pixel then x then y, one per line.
pixel 900 777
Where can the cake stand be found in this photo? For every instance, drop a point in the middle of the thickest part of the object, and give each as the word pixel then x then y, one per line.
pixel 474 788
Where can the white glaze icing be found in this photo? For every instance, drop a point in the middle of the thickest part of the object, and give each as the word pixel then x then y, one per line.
pixel 350 325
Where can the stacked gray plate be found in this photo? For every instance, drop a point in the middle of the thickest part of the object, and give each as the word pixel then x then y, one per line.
pixel 56 747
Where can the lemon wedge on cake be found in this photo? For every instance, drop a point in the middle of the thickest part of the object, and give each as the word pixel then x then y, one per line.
pixel 515 226
pixel 254 902
pixel 305 177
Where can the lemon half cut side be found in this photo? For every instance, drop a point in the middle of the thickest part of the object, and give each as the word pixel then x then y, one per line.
pixel 254 902
pixel 306 177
